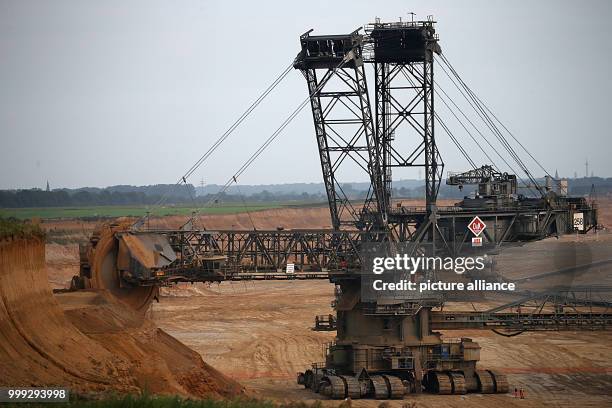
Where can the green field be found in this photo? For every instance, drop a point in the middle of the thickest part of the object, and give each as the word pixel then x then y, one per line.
pixel 125 211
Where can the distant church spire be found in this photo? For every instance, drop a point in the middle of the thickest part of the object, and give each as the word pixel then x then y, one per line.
pixel 48 189
pixel 556 175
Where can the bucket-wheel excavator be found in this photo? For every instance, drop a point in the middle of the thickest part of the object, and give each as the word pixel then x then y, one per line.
pixel 384 348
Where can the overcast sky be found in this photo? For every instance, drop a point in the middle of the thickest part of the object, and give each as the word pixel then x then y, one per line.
pixel 96 93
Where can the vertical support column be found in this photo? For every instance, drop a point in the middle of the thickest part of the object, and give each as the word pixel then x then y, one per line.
pixel 345 136
pixel 317 114
pixel 403 65
pixel 433 174
pixel 383 138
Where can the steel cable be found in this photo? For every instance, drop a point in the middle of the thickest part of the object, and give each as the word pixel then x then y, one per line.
pixel 271 138
pixel 492 125
pixel 222 138
pixel 478 109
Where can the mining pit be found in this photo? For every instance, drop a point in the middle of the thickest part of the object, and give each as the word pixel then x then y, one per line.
pixel 257 335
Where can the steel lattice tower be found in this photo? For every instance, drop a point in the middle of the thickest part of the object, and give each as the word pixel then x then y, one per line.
pixel 403 66
pixel 343 125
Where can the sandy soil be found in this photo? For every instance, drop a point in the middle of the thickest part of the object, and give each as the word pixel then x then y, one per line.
pixel 264 329
pixel 259 333
pixel 62 263
pixel 88 341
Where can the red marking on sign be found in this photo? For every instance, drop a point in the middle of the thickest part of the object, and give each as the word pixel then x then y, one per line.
pixel 476 226
pixel 476 241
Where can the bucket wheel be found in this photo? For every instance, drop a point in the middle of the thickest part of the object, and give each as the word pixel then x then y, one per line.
pixel 102 261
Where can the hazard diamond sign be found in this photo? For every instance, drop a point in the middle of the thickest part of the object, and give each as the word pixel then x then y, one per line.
pixel 476 226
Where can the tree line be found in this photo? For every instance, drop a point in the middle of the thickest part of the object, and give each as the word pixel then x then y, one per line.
pixel 85 198
pixel 186 195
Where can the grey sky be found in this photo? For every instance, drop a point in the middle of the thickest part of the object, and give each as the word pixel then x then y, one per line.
pixel 132 92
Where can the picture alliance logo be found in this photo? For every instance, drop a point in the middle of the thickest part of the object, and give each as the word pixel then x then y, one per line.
pixel 410 264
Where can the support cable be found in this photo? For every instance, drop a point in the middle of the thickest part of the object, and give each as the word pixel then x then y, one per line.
pixel 223 137
pixel 515 139
pixel 448 131
pixel 234 179
pixel 492 125
pixel 446 128
pixel 246 208
pixel 466 129
pixel 469 99
pixel 239 120
pixel 472 104
pixel 476 106
pixel 470 122
pixel 455 141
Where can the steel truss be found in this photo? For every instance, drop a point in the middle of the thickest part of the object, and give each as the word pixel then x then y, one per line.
pixel 334 250
pixel 404 82
pixel 574 308
pixel 309 250
pixel 344 130
pixel 561 309
pixel 404 105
